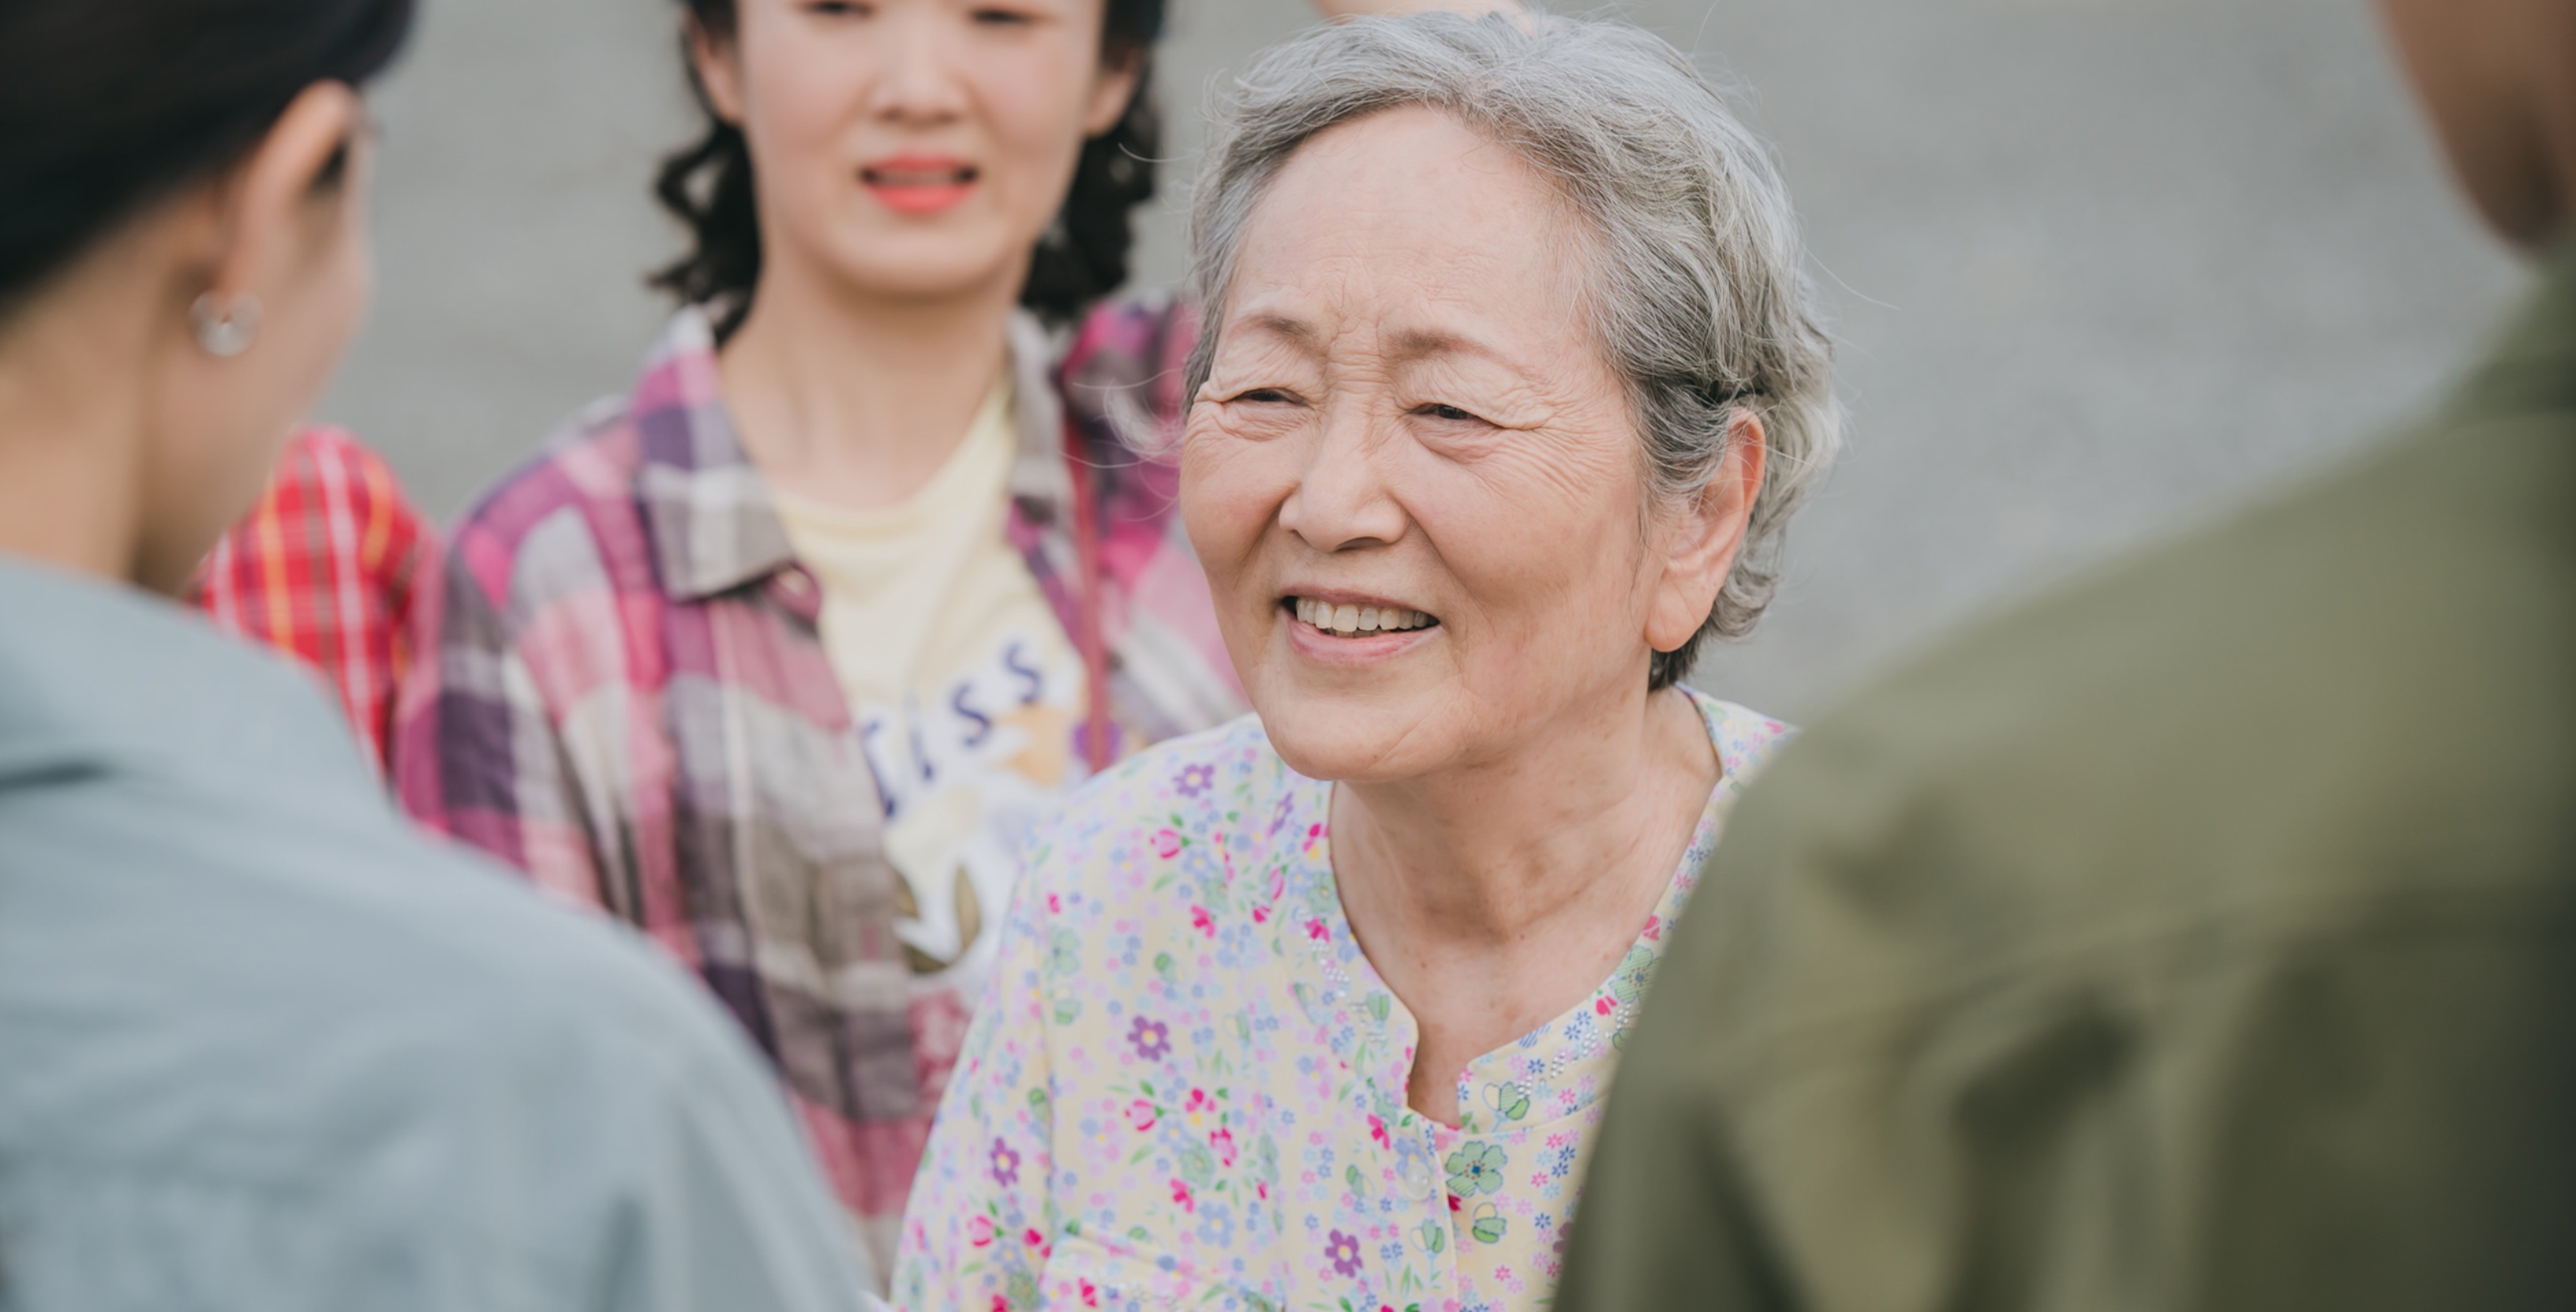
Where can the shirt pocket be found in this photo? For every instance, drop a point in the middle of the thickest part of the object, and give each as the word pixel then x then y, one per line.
pixel 1117 1276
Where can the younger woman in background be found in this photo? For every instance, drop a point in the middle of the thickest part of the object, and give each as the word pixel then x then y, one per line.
pixel 778 655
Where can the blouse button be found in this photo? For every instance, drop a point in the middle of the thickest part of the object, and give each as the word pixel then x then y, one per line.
pixel 1416 1170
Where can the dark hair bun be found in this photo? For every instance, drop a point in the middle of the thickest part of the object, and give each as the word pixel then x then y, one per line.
pixel 108 105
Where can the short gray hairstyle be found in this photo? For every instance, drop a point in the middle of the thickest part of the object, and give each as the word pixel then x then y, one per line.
pixel 1699 294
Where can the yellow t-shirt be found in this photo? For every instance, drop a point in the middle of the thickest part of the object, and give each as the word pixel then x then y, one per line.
pixel 965 689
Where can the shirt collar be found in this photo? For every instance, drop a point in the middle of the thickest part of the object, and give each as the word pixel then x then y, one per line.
pixel 1039 483
pixel 96 677
pixel 1557 1070
pixel 713 522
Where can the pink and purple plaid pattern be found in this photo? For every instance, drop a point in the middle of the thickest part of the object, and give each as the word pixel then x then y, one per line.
pixel 628 700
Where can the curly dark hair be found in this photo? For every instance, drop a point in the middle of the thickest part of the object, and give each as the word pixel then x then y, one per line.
pixel 1083 256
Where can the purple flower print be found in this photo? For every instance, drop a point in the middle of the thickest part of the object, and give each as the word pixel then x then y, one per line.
pixel 1153 1039
pixel 1196 778
pixel 1006 1165
pixel 1344 1252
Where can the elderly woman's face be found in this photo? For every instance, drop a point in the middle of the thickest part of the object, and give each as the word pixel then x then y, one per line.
pixel 1415 483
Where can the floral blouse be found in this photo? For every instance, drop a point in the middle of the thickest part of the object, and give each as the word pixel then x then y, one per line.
pixel 1187 1085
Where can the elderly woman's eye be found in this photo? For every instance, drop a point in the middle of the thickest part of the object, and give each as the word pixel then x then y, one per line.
pixel 1451 413
pixel 1264 395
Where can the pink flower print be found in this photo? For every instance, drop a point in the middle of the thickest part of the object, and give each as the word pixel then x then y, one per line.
pixel 979 1230
pixel 1140 1114
pixel 1153 1038
pixel 1033 1239
pixel 1006 1165
pixel 1196 778
pixel 1167 844
pixel 1601 1005
pixel 1223 1142
pixel 1377 1131
pixel 1316 931
pixel 1201 921
pixel 1261 915
pixel 1262 1187
pixel 1055 905
pixel 1001 1304
pixel 1198 1101
pixel 1654 929
pixel 1181 1194
pixel 1344 1253
pixel 1090 1294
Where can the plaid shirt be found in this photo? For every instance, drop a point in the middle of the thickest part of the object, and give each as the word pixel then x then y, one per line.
pixel 322 569
pixel 630 701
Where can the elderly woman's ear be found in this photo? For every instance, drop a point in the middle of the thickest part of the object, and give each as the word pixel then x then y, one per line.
pixel 1701 538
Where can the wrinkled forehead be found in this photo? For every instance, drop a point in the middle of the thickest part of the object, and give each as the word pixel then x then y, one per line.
pixel 1406 233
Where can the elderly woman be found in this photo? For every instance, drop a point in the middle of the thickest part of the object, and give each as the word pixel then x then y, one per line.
pixel 1509 382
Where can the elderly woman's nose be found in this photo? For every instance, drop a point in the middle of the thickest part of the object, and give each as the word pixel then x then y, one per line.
pixel 1342 499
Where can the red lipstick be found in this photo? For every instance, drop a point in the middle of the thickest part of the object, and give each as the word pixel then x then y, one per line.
pixel 919 184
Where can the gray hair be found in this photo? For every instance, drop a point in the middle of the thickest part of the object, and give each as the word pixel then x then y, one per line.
pixel 1700 296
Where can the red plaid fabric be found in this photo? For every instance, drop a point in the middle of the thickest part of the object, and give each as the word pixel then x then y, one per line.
pixel 323 570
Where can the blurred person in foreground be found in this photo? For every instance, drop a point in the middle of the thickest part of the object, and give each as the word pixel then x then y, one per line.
pixel 1509 383
pixel 2202 936
pixel 260 1047
pixel 327 568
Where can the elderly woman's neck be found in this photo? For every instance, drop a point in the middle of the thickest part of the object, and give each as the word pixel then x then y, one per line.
pixel 1493 898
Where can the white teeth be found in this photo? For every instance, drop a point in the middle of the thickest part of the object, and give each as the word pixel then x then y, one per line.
pixel 1359 619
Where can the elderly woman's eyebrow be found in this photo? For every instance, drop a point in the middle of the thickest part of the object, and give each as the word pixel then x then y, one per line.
pixel 1414 345
pixel 1299 332
pixel 1409 344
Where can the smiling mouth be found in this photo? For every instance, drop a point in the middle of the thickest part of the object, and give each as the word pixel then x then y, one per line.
pixel 896 175
pixel 1347 621
pixel 919 187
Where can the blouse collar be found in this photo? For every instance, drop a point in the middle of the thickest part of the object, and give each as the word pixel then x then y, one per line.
pixel 1555 1071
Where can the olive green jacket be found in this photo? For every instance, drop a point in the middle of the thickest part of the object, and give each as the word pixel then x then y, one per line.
pixel 2202 936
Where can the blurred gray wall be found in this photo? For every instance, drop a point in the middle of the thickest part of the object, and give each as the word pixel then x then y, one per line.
pixel 2101 268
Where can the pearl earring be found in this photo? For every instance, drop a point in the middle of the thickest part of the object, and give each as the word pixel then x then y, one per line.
pixel 224 328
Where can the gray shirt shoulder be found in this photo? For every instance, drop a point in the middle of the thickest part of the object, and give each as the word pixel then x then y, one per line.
pixel 262 1046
